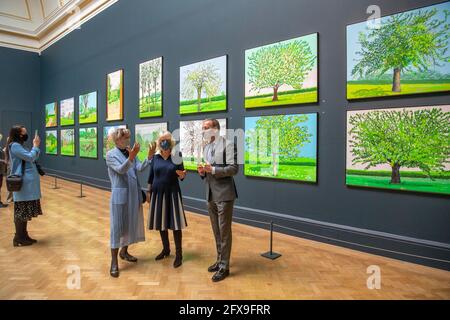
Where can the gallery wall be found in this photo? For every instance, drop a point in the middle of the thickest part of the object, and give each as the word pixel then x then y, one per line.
pixel 409 226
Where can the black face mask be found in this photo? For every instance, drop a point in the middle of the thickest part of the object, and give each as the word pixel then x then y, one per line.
pixel 24 137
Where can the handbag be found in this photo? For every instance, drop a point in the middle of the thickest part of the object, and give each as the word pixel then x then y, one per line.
pixel 39 169
pixel 13 181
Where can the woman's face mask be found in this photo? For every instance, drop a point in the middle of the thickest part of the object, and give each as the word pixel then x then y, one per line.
pixel 165 145
pixel 24 137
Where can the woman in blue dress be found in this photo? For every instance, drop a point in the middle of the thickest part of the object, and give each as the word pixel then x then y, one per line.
pixel 164 194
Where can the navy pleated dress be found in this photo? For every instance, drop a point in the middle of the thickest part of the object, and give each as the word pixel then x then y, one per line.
pixel 166 204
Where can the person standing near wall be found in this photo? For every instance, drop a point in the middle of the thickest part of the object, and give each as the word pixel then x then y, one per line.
pixel 218 172
pixel 3 170
pixel 27 204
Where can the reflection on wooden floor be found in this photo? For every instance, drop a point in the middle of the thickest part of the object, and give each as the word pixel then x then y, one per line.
pixel 75 232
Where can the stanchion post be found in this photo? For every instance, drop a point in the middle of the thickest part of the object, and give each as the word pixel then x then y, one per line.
pixel 270 254
pixel 55 185
pixel 81 190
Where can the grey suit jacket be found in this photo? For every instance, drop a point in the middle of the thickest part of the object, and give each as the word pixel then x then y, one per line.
pixel 220 186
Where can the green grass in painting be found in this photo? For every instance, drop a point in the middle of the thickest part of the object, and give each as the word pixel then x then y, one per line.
pixel 218 103
pixel 190 164
pixel 51 147
pixel 286 97
pixel 68 150
pixel 149 109
pixel 88 147
pixel 91 118
pixel 67 122
pixel 50 121
pixel 369 89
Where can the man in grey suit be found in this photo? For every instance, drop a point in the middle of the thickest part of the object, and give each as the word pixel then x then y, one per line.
pixel 218 171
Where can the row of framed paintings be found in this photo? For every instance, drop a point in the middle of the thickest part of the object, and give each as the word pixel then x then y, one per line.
pixel 87 111
pixel 404 149
pixel 379 64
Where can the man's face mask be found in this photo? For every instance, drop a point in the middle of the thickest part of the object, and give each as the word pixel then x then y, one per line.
pixel 165 145
pixel 208 134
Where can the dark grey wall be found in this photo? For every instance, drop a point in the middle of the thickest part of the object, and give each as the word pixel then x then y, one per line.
pixel 403 225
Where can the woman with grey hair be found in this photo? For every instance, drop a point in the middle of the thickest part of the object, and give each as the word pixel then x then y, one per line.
pixel 126 214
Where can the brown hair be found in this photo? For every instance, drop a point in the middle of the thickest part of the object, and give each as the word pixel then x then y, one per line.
pixel 215 123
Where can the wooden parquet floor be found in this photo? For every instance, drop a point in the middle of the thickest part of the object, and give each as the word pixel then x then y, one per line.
pixel 75 231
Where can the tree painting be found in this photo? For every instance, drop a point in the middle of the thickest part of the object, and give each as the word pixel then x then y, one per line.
pixel 51 142
pixel 51 115
pixel 192 142
pixel 400 148
pixel 203 86
pixel 114 96
pixel 147 133
pixel 88 142
pixel 108 143
pixel 282 147
pixel 67 116
pixel 407 54
pixel 68 142
pixel 87 108
pixel 282 73
pixel 150 88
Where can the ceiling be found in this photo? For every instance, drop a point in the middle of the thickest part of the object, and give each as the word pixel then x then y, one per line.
pixel 34 25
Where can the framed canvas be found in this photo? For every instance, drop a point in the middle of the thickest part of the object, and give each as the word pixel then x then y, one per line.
pixel 282 73
pixel 203 86
pixel 405 149
pixel 67 112
pixel 150 88
pixel 67 142
pixel 147 133
pixel 114 96
pixel 191 141
pixel 51 142
pixel 88 142
pixel 87 108
pixel 108 144
pixel 281 147
pixel 411 60
pixel 51 115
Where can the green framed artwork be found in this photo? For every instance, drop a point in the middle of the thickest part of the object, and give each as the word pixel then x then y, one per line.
pixel 87 108
pixel 51 142
pixel 412 60
pixel 203 86
pixel 108 144
pixel 67 112
pixel 406 149
pixel 191 141
pixel 67 142
pixel 114 96
pixel 88 142
pixel 147 133
pixel 51 115
pixel 282 73
pixel 150 88
pixel 281 147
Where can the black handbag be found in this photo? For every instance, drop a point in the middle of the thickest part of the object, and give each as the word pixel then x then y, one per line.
pixel 14 182
pixel 39 169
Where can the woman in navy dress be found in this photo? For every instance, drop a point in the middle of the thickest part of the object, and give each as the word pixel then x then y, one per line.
pixel 166 205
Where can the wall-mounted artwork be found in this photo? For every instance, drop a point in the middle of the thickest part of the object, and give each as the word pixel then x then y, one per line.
pixel 88 142
pixel 51 115
pixel 108 144
pixel 281 147
pixel 146 133
pixel 114 96
pixel 67 112
pixel 51 142
pixel 191 141
pixel 150 88
pixel 67 142
pixel 87 108
pixel 404 149
pixel 406 53
pixel 203 86
pixel 282 73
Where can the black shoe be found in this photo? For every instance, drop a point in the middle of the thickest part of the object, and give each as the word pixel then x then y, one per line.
pixel 214 268
pixel 21 242
pixel 114 271
pixel 27 237
pixel 178 261
pixel 127 257
pixel 162 255
pixel 220 275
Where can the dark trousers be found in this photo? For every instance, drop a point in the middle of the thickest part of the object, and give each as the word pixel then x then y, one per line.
pixel 221 216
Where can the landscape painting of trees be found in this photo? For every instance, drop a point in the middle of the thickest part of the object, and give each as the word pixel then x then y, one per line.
pixel 203 86
pixel 150 88
pixel 67 112
pixel 114 96
pixel 108 143
pixel 192 142
pixel 408 53
pixel 67 142
pixel 51 119
pixel 404 149
pixel 147 133
pixel 282 73
pixel 87 108
pixel 88 142
pixel 51 142
pixel 282 147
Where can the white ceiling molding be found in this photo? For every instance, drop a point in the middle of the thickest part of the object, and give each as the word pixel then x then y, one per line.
pixel 34 25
